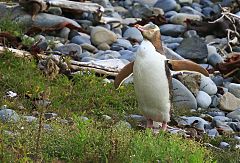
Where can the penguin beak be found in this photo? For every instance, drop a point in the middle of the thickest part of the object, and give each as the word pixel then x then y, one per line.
pixel 139 27
pixel 178 65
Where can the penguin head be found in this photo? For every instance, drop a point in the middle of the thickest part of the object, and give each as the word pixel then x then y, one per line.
pixel 149 30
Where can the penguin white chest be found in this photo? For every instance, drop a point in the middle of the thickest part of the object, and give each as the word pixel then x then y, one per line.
pixel 152 86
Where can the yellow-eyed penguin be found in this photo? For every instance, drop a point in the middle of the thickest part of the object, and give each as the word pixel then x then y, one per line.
pixel 152 78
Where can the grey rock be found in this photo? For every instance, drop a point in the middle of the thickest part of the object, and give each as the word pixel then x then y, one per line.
pixel 170 14
pixel 183 121
pixel 206 3
pixel 169 39
pixel 221 118
pixel 234 89
pixel 217 123
pixel 218 80
pixel 237 138
pixel 47 127
pixel 227 3
pixel 180 18
pixel 106 81
pixel 89 47
pixel 215 101
pixel 133 34
pixel 207 85
pixel 45 20
pixel 208 11
pixel 193 48
pixel 4 11
pixel 136 117
pixel 71 49
pixel 85 54
pixel 214 59
pixel 107 117
pixel 238 13
pixel 43 45
pixel 212 133
pixel 190 10
pixel 203 99
pixel 102 35
pixel 40 37
pixel 224 145
pixel 172 46
pixel 140 10
pixel 172 29
pixel 88 59
pixel 109 54
pixel 103 46
pixel 234 114
pixel 222 126
pixel 211 49
pixel 216 112
pixel 50 115
pixel 117 31
pixel 55 10
pixel 197 6
pixel 200 125
pixel 64 33
pixel 8 115
pixel 170 54
pixel 228 102
pixel 147 2
pixel 81 40
pixel 122 43
pixel 182 97
pixel 191 81
pixel 42 42
pixel 187 2
pixel 206 66
pixel 123 124
pixel 29 118
pixel 104 3
pixel 166 5
pixel 128 55
pixel 235 126
pixel 190 33
pixel 83 118
pixel 72 34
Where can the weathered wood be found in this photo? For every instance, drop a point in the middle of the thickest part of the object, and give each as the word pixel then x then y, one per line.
pixel 77 7
pixel 16 52
pixel 99 71
pixel 101 67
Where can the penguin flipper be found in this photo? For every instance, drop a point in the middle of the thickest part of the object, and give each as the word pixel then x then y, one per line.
pixel 123 74
pixel 178 65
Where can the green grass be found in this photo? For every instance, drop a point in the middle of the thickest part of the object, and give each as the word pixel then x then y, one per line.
pixel 13 27
pixel 94 140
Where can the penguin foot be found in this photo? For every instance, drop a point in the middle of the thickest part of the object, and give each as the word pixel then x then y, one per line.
pixel 164 126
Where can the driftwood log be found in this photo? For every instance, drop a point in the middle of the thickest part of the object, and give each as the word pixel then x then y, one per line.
pixel 101 67
pixel 76 7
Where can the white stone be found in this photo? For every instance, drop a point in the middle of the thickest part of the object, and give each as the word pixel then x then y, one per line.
pixel 234 114
pixel 211 49
pixel 185 1
pixel 229 102
pixel 234 89
pixel 180 18
pixel 207 85
pixel 102 35
pixel 203 99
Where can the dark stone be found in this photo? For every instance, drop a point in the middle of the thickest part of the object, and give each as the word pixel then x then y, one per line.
pixel 166 5
pixel 193 48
